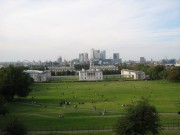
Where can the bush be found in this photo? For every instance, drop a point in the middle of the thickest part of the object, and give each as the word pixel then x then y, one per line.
pixel 15 127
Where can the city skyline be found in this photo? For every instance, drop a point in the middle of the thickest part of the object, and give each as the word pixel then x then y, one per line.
pixel 45 30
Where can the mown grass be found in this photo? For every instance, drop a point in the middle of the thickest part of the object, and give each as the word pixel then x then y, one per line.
pixel 164 132
pixel 42 110
pixel 109 95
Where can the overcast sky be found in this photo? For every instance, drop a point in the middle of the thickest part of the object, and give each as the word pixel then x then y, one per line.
pixel 46 29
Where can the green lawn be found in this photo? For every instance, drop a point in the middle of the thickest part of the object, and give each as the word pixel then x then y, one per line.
pixel 44 113
pixel 165 132
pixel 109 95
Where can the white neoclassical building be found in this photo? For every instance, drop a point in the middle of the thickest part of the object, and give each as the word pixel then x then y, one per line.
pixel 90 75
pixel 177 64
pixel 137 75
pixel 39 76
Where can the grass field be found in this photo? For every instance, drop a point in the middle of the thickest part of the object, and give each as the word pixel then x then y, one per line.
pixel 165 132
pixel 42 108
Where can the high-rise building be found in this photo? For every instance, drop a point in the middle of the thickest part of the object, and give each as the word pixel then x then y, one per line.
pixel 92 54
pixel 116 57
pixel 95 54
pixel 103 55
pixel 83 57
pixel 142 60
pixel 59 60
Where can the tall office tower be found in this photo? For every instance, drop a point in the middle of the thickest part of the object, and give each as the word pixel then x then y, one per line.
pixel 95 54
pixel 59 60
pixel 142 60
pixel 39 62
pixel 34 62
pixel 116 57
pixel 103 55
pixel 83 57
pixel 92 54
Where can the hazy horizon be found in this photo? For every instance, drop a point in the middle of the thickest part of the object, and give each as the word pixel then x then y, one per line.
pixel 44 30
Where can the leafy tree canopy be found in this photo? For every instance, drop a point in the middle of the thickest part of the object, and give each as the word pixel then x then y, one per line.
pixel 14 82
pixel 173 74
pixel 81 66
pixel 15 127
pixel 3 107
pixel 141 118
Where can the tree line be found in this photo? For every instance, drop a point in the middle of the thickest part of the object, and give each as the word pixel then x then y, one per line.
pixel 63 73
pixel 159 72
pixel 13 82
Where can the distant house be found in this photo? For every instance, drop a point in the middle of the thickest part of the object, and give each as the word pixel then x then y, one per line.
pixel 39 76
pixel 90 75
pixel 137 75
pixel 177 64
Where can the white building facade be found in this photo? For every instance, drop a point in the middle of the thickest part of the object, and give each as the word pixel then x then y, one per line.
pixel 90 75
pixel 39 76
pixel 177 64
pixel 137 75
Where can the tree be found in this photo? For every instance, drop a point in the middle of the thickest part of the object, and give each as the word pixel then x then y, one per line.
pixel 3 107
pixel 157 72
pixel 14 82
pixel 141 118
pixel 1 80
pixel 81 66
pixel 15 127
pixel 173 74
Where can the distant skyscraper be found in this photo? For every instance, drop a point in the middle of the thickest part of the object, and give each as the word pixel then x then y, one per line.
pixel 92 54
pixel 116 57
pixel 34 63
pixel 103 55
pixel 39 62
pixel 59 60
pixel 95 54
pixel 83 57
pixel 142 60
